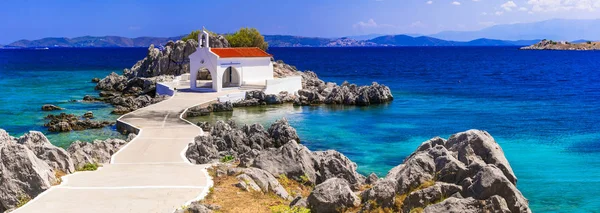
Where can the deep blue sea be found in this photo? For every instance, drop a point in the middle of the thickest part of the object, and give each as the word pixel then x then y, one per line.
pixel 543 107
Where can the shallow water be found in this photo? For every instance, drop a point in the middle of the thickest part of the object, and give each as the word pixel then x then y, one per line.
pixel 32 78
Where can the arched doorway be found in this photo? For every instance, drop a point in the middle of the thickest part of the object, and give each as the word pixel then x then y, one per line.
pixel 231 77
pixel 203 78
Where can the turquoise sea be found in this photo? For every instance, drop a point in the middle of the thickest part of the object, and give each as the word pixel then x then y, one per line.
pixel 542 107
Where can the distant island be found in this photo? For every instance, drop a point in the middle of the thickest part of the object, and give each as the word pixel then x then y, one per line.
pixel 563 45
pixel 273 40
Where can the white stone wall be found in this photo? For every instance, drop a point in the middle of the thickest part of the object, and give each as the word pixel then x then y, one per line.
pixel 290 84
pixel 251 70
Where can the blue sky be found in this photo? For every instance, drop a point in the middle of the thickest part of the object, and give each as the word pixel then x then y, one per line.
pixel 33 19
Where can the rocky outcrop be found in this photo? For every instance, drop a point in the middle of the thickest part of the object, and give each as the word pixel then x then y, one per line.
pixel 282 132
pixel 256 147
pixel 466 173
pixel 24 175
pixel 469 165
pixel 57 158
pixel 97 152
pixel 50 107
pixel 172 60
pixel 30 164
pixel 125 104
pixel 562 45
pixel 333 195
pixel 206 110
pixel 68 122
pixel 258 98
pixel 282 70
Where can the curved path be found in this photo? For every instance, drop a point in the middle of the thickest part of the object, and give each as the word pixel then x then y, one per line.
pixel 149 174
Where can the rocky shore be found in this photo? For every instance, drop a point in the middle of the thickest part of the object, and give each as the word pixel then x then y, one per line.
pixel 466 173
pixel 67 122
pixel 30 164
pixel 316 91
pixel 562 45
pixel 136 88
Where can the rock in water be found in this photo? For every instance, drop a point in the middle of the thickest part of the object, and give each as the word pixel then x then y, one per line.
pixel 333 195
pixel 112 82
pixel 88 114
pixel 95 80
pixel 471 161
pixel 67 122
pixel 50 107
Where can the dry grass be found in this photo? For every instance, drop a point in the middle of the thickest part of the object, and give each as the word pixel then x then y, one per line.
pixel 235 200
pixel 294 187
pixel 58 174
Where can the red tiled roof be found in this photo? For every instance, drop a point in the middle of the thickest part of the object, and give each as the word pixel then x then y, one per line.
pixel 240 52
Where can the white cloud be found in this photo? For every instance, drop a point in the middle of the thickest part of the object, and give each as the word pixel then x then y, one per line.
pixel 487 23
pixel 429 2
pixel 484 14
pixel 523 9
pixel 369 24
pixel 509 5
pixel 498 13
pixel 417 24
pixel 563 5
pixel 456 3
pixel 475 0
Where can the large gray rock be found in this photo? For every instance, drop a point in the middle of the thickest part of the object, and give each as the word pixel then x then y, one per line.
pixel 430 195
pixel 282 132
pixel 491 181
pixel 479 147
pixel 469 205
pixel 415 171
pixel 470 164
pixel 383 193
pixel 203 150
pixel 22 173
pixel 254 177
pixel 292 160
pixel 334 164
pixel 112 82
pixel 195 207
pixel 333 195
pixel 96 152
pixel 57 158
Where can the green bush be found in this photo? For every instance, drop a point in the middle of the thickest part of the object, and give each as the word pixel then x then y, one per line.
pixel 286 209
pixel 247 37
pixel 89 167
pixel 227 158
pixel 193 35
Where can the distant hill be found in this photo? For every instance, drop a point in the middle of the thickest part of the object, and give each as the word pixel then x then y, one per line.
pixel 555 29
pixel 295 41
pixel 273 40
pixel 91 41
pixel 404 40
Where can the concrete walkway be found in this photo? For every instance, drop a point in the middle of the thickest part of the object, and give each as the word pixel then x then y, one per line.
pixel 149 174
